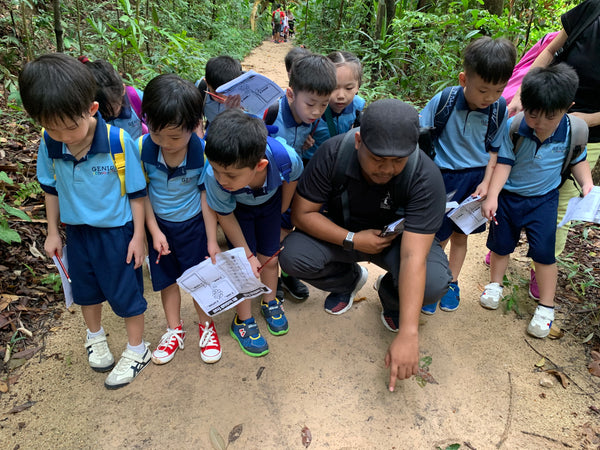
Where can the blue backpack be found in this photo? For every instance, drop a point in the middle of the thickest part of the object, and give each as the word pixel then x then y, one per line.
pixel 281 157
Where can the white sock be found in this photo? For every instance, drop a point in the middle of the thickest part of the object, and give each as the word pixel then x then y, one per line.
pixel 91 335
pixel 140 349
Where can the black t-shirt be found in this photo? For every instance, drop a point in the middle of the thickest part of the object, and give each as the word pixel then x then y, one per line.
pixel 584 57
pixel 371 205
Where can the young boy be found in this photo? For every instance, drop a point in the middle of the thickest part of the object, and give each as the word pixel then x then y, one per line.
pixel 104 227
pixel 467 147
pixel 523 191
pixel 312 80
pixel 219 70
pixel 245 178
pixel 173 156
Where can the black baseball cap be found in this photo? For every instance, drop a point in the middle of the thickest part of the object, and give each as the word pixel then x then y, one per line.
pixel 390 128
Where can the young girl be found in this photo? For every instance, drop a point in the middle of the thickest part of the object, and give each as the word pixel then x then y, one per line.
pixel 120 105
pixel 345 105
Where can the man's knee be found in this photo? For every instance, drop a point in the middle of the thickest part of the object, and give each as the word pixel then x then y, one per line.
pixel 296 257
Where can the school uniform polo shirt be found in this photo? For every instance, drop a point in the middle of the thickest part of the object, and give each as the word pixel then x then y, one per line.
pixel 174 192
pixel 212 108
pixel 128 119
pixel 224 202
pixel 342 123
pixel 89 190
pixel 537 165
pixel 462 142
pixel 292 132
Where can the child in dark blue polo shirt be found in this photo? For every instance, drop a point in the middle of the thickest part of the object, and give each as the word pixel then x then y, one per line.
pixel 248 189
pixel 312 80
pixel 104 214
pixel 173 156
pixel 467 147
pixel 523 191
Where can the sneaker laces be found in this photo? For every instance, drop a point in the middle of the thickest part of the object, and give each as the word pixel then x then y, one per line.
pixel 208 337
pixel 169 339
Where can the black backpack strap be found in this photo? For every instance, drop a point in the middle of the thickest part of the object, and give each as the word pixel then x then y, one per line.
pixel 329 119
pixel 444 109
pixel 271 113
pixel 576 32
pixel 404 181
pixel 495 118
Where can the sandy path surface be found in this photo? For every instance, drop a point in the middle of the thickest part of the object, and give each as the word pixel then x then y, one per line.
pixel 326 374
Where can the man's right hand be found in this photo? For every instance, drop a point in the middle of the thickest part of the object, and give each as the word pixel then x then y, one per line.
pixel 369 241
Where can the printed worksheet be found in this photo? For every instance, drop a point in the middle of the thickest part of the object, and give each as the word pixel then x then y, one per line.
pixel 66 285
pixel 220 286
pixel 257 92
pixel 585 208
pixel 468 215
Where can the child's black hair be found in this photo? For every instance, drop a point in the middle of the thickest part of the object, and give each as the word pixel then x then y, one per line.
pixel 56 87
pixel 221 69
pixel 313 73
pixel 109 87
pixel 347 59
pixel 236 139
pixel 492 59
pixel 293 54
pixel 170 101
pixel 549 89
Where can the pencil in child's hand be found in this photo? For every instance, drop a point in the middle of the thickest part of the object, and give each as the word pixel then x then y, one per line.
pixel 158 258
pixel 218 97
pixel 494 217
pixel 270 259
pixel 62 266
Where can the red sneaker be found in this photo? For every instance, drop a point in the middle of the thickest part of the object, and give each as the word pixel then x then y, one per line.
pixel 169 343
pixel 210 347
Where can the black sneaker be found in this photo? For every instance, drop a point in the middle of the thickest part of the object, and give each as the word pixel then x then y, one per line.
pixel 295 287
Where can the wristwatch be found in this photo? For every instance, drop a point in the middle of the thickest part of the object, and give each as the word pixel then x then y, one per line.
pixel 348 244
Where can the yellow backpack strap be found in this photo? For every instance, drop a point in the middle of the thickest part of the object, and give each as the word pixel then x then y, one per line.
pixel 116 143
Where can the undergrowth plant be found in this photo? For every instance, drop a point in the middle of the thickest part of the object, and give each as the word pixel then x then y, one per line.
pixel 7 234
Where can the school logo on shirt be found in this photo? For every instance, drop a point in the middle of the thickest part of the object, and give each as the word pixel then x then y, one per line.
pixel 386 202
pixel 103 170
pixel 186 180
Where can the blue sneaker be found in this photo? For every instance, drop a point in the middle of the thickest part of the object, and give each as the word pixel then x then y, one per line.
pixel 429 309
pixel 451 299
pixel 339 303
pixel 275 317
pixel 249 337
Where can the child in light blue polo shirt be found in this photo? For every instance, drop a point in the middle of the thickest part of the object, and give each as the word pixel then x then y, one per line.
pixel 312 80
pixel 523 191
pixel 173 156
pixel 249 182
pixel 120 105
pixel 467 146
pixel 345 106
pixel 103 209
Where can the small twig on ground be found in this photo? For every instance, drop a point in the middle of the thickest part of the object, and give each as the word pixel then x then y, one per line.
pixel 556 441
pixel 509 416
pixel 557 367
pixel 469 445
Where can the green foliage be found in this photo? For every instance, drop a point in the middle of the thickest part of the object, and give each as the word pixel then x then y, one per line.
pixel 27 190
pixel 7 234
pixel 53 280
pixel 513 298
pixel 579 276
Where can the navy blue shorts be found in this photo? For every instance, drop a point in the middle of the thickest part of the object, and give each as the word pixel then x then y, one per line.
pixel 99 272
pixel 187 242
pixel 536 214
pixel 464 182
pixel 261 224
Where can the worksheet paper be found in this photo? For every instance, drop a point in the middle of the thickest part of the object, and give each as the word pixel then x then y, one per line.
pixel 585 208
pixel 220 286
pixel 467 216
pixel 257 92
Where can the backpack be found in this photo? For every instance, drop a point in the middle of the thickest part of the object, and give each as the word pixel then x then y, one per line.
pixel 281 157
pixel 115 143
pixel 277 17
pixel 497 110
pixel 339 202
pixel 136 104
pixel 579 138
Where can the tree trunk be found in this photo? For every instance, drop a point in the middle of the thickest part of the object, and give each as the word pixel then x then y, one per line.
pixel 390 13
pixel 494 6
pixel 423 5
pixel 379 27
pixel 341 14
pixel 58 29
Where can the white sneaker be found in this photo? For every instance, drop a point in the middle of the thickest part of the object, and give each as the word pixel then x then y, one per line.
pixel 99 355
pixel 491 296
pixel 128 367
pixel 541 322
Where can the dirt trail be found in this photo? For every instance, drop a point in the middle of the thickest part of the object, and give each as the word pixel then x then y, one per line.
pixel 327 374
